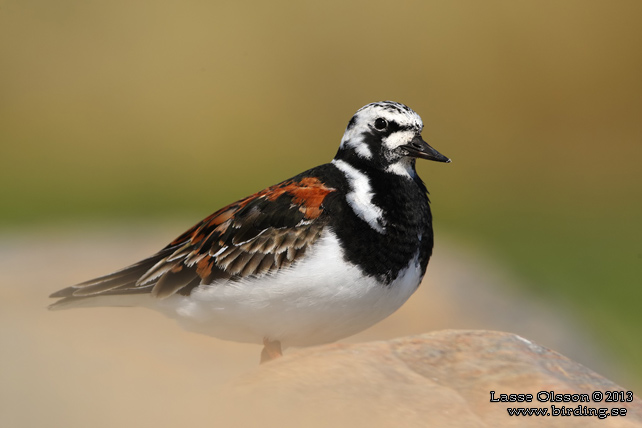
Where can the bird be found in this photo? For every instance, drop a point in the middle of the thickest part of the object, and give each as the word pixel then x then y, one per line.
pixel 311 260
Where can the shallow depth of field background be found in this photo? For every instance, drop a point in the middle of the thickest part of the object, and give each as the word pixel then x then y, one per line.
pixel 120 113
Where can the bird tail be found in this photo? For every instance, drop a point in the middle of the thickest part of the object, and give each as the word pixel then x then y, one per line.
pixel 108 290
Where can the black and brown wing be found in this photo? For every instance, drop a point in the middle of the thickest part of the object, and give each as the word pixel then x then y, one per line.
pixel 257 235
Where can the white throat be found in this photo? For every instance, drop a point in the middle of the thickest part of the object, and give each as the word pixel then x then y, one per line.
pixel 403 167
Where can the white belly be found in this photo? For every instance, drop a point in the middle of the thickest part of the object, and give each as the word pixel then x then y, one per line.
pixel 320 299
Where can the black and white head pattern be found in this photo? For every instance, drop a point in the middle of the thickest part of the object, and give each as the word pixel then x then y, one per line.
pixel 374 140
pixel 376 133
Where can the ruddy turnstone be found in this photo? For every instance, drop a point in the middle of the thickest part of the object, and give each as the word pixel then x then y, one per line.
pixel 313 259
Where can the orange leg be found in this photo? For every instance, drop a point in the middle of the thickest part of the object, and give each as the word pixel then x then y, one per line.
pixel 271 350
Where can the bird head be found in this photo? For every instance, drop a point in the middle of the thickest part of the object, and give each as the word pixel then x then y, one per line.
pixel 386 135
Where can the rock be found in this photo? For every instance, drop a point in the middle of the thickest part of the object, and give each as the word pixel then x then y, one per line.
pixel 440 379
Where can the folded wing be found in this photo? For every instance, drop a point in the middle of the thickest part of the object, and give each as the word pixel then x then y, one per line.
pixel 258 235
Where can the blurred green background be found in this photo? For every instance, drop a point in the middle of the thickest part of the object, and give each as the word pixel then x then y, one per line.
pixel 122 111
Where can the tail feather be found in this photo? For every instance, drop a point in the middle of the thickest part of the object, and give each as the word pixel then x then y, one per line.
pixel 122 282
pixel 103 300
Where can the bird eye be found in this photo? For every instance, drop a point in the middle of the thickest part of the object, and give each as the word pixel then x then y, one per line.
pixel 380 124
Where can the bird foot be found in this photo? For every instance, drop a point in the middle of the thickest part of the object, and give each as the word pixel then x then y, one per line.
pixel 271 350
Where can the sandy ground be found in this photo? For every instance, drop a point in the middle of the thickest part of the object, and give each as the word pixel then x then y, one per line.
pixel 124 367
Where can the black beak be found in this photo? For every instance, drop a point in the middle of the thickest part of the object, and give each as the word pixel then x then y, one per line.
pixel 418 148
